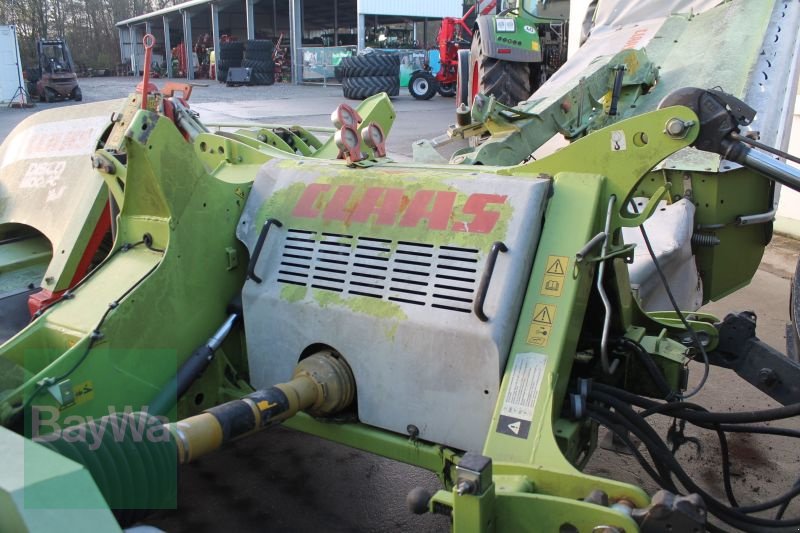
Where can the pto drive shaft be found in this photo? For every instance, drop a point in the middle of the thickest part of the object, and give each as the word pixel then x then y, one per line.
pixel 135 474
pixel 322 384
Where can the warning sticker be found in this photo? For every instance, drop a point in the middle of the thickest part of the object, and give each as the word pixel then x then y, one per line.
pixel 541 325
pixel 544 313
pixel 539 334
pixel 524 383
pixel 618 142
pixel 554 274
pixel 83 392
pixel 556 265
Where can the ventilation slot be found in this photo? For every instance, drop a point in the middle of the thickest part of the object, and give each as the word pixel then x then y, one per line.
pixel 297 257
pixel 419 274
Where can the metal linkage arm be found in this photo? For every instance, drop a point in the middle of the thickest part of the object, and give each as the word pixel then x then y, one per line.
pixel 721 116
pixel 755 361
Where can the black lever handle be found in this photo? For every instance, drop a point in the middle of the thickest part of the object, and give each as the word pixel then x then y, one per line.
pixel 262 237
pixel 483 288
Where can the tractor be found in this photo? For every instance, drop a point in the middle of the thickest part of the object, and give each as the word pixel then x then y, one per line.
pixel 170 286
pixel 514 51
pixel 454 35
pixel 54 78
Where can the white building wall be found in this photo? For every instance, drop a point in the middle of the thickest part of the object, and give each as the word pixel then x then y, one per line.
pixel 788 216
pixel 416 8
pixel 10 66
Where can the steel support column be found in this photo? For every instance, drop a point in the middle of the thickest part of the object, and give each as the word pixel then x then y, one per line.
pixel 167 47
pixel 148 28
pixel 361 26
pixel 132 32
pixel 215 35
pixel 274 18
pixel 187 44
pixel 121 33
pixel 296 31
pixel 250 18
pixel 335 22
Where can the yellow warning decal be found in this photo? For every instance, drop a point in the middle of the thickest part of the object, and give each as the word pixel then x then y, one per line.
pixel 83 392
pixel 542 324
pixel 555 273
pixel 535 46
pixel 263 405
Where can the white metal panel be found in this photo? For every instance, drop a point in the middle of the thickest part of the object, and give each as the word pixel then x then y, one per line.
pixel 10 66
pixel 412 8
pixel 425 358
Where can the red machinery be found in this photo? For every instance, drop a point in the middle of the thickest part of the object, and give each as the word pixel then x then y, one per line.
pixel 454 35
pixel 180 63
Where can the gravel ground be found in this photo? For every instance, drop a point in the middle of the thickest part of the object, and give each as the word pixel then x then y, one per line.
pixel 286 481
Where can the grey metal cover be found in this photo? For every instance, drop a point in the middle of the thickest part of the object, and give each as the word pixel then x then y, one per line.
pixel 400 311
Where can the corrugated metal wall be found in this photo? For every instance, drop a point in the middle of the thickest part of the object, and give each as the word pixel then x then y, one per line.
pixel 413 8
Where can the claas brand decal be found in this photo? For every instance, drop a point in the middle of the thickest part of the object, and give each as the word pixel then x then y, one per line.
pixel 386 206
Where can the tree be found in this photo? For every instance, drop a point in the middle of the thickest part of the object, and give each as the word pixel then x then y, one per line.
pixel 87 25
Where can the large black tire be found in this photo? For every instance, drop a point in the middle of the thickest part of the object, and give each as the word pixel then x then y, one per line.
pixel 261 72
pixel 370 65
pixel 222 72
pixel 508 81
pixel 230 56
pixel 259 50
pixel 262 66
pixel 793 327
pixel 448 90
pixel 231 53
pixel 364 87
pixel 422 85
pixel 262 78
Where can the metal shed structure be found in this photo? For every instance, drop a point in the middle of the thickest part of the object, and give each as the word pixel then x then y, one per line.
pixel 266 19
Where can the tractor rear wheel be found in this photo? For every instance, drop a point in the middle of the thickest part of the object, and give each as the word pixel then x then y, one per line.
pixel 508 81
pixel 422 85
pixel 793 327
pixel 448 90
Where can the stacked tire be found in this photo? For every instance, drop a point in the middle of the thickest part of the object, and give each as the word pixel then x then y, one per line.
pixel 366 75
pixel 230 56
pixel 258 58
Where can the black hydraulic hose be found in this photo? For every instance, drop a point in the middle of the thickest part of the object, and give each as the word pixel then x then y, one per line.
pixel 657 449
pixel 642 427
pixel 745 417
pixel 650 365
pixel 785 505
pixel 684 409
pixel 600 416
pixel 723 442
pixel 660 453
pixel 761 430
pixel 191 369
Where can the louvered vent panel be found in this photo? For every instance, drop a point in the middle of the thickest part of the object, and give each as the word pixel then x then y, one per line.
pixel 444 277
